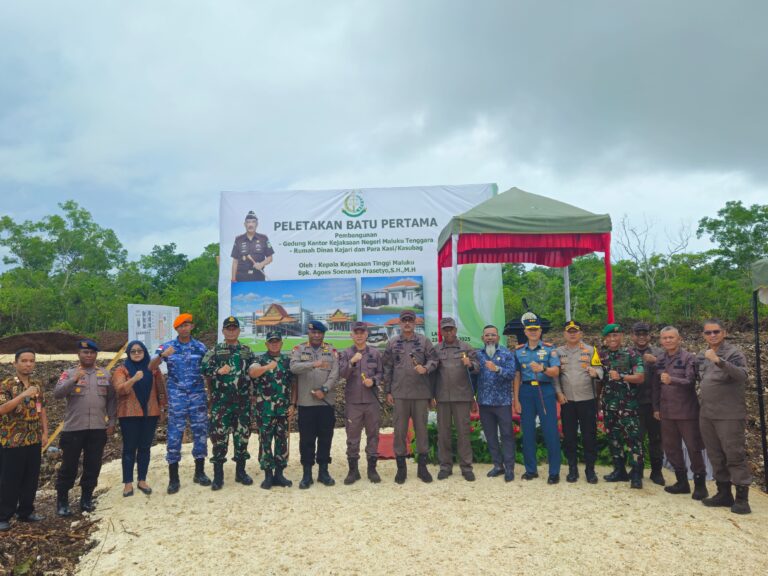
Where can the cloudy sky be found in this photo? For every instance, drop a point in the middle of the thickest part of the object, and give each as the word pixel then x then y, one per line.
pixel 144 111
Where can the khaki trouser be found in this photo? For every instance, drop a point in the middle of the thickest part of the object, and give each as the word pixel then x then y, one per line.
pixel 725 444
pixel 404 411
pixel 458 414
pixel 673 433
pixel 359 416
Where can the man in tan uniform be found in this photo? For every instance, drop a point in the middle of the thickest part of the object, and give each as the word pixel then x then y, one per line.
pixel 408 359
pixel 723 417
pixel 454 396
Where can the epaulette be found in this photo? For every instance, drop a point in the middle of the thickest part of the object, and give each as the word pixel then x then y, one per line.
pixel 519 346
pixel 548 344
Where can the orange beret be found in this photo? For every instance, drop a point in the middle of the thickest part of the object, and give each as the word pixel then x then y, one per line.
pixel 181 318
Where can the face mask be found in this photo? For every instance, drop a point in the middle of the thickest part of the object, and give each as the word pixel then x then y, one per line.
pixel 490 349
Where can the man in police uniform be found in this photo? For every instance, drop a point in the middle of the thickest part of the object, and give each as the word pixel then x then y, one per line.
pixel 225 367
pixel 408 359
pixel 537 366
pixel 624 372
pixel 579 371
pixel 649 426
pixel 454 396
pixel 89 419
pixel 317 366
pixel 251 253
pixel 275 403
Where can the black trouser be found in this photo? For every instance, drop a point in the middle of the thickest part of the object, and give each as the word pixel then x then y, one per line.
pixel 18 481
pixel 91 444
pixel 575 416
pixel 316 431
pixel 138 433
pixel 652 427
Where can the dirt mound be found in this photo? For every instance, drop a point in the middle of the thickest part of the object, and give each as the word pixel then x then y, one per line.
pixel 41 342
pixel 112 341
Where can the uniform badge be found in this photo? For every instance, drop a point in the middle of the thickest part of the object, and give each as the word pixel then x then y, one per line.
pixel 77 390
pixel 542 354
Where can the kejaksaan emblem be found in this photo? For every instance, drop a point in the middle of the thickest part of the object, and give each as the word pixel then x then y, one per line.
pixel 354 205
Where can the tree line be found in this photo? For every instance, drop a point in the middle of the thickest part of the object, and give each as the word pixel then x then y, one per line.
pixel 66 272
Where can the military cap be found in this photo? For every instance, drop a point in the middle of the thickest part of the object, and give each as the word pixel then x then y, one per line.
pixel 641 327
pixel 181 318
pixel 572 325
pixel 359 326
pixel 610 329
pixel 317 325
pixel 274 335
pixel 251 216
pixel 231 321
pixel 531 323
pixel 87 344
pixel 407 314
pixel 447 322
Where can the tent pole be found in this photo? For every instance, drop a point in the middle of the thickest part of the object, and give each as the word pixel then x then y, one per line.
pixel 608 278
pixel 567 286
pixel 759 382
pixel 455 271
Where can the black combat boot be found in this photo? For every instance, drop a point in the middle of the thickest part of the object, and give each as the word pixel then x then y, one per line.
pixel 656 476
pixel 218 477
pixel 62 503
pixel 682 486
pixel 200 477
pixel 723 496
pixel 741 505
pixel 173 478
pixel 636 474
pixel 573 472
pixel 700 487
pixel 422 472
pixel 323 476
pixel 373 475
pixel 402 470
pixel 86 500
pixel 306 479
pixel 280 480
pixel 268 479
pixel 619 473
pixel 241 475
pixel 354 473
pixel 589 473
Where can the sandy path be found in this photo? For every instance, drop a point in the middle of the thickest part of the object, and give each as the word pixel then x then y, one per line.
pixel 447 527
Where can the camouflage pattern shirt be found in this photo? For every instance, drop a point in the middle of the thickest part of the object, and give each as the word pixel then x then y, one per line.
pixel 235 387
pixel 272 390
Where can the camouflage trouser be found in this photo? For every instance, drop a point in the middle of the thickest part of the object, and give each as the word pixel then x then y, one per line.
pixel 622 422
pixel 186 405
pixel 229 419
pixel 273 429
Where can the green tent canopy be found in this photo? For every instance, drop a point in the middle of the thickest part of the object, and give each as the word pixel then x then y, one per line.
pixel 517 226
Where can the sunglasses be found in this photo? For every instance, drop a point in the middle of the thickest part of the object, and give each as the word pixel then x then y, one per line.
pixel 712 332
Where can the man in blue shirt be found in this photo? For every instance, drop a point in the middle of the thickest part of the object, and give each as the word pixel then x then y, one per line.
pixel 187 399
pixel 494 398
pixel 537 365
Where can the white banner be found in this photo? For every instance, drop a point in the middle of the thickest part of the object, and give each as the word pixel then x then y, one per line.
pixel 340 256
pixel 151 324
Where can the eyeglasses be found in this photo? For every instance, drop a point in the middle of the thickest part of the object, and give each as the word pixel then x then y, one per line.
pixel 712 332
pixel 137 351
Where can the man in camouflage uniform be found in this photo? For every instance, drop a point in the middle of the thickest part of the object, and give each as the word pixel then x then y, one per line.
pixel 408 360
pixel 225 367
pixel 624 371
pixel 274 408
pixel 317 366
pixel 187 399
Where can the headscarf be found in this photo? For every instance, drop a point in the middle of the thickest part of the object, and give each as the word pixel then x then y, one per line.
pixel 143 387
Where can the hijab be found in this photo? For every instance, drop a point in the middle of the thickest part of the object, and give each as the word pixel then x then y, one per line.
pixel 143 387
